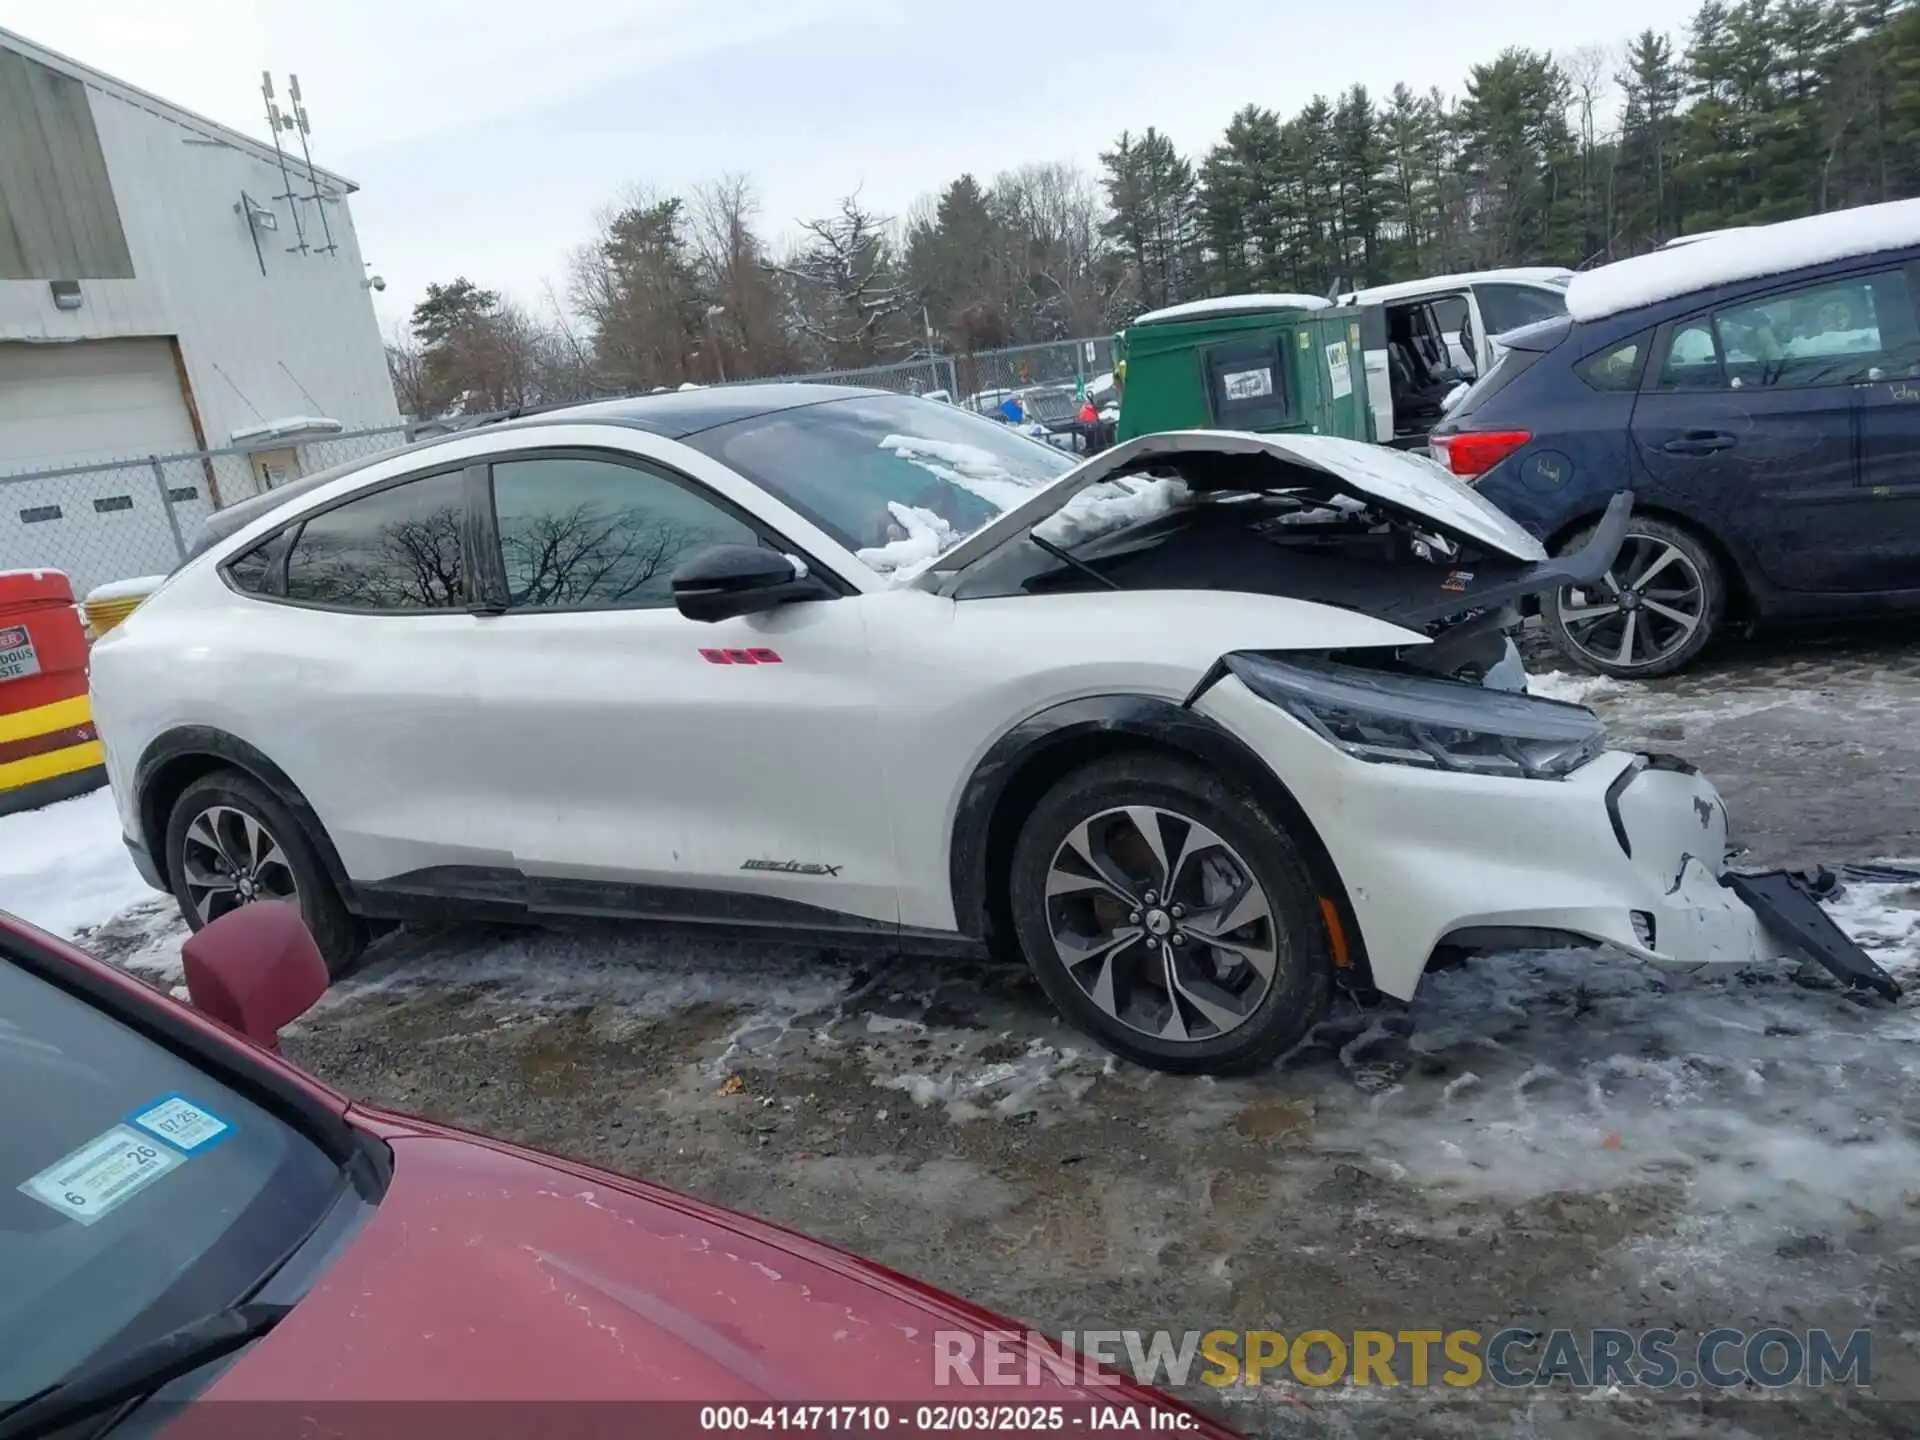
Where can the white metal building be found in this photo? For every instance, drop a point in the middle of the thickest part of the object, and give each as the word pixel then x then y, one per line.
pixel 155 298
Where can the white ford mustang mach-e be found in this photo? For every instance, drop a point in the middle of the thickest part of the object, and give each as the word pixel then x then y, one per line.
pixel 1200 727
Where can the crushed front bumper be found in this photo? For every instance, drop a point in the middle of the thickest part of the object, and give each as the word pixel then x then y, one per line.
pixel 1628 851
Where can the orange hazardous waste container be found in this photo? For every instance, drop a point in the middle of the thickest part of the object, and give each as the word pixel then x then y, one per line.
pixel 48 748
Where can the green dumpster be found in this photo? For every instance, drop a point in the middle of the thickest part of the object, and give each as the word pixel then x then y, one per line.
pixel 1289 363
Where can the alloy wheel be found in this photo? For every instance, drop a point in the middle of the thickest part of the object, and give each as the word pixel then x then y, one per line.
pixel 230 859
pixel 1649 605
pixel 1161 923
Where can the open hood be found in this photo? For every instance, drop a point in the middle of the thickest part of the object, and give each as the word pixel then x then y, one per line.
pixel 1407 486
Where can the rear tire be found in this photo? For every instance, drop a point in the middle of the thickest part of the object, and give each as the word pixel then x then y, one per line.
pixel 1666 586
pixel 1219 966
pixel 230 842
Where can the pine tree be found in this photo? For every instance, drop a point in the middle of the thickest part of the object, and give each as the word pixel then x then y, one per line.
pixel 1652 88
pixel 1150 187
pixel 1241 223
pixel 1359 158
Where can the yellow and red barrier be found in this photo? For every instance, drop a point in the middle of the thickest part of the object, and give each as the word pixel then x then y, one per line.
pixel 48 747
pixel 107 605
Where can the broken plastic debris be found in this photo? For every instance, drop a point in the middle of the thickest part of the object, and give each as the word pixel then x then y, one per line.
pixel 732 1085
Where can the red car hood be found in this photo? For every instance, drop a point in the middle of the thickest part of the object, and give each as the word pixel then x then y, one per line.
pixel 489 1273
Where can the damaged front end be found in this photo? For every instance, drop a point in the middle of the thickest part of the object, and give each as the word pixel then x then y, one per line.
pixel 1454 813
pixel 1375 532
pixel 1464 820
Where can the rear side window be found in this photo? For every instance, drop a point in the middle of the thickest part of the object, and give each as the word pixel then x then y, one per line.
pixel 250 571
pixel 1618 369
pixel 1509 307
pixel 397 549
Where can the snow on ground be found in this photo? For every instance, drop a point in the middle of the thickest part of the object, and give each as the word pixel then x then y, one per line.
pixel 64 867
pixel 1746 254
pixel 1572 688
pixel 1772 1103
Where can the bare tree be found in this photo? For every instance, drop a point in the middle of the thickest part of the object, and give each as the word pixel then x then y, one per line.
pixel 1058 216
pixel 848 289
pixel 589 555
pixel 1589 71
pixel 407 368
pixel 745 312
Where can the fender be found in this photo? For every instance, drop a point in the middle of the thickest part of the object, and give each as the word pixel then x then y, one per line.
pixel 203 742
pixel 1016 769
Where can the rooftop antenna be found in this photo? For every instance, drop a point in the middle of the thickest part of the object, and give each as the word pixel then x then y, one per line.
pixel 276 122
pixel 313 175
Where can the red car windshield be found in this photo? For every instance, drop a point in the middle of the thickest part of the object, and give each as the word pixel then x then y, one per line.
pixel 137 1193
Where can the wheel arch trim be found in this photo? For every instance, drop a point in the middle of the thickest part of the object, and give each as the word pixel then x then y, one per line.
pixel 1121 720
pixel 204 742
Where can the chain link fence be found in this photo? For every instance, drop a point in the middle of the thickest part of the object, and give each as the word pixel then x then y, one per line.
pixel 137 516
pixel 1068 364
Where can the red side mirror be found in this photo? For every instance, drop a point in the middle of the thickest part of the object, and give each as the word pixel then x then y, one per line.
pixel 255 969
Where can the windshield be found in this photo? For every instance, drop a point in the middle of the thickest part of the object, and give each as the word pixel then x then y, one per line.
pixel 137 1193
pixel 896 479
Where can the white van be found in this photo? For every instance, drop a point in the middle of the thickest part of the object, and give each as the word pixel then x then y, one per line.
pixel 1423 339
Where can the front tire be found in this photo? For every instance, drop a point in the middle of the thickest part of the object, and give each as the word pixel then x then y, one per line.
pixel 231 842
pixel 1658 608
pixel 1170 917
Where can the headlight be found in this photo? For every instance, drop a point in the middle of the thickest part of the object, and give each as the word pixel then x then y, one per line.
pixel 1434 724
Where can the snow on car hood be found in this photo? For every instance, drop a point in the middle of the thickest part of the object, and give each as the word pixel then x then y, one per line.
pixel 1405 483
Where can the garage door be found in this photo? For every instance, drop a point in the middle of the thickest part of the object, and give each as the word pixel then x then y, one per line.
pixel 75 404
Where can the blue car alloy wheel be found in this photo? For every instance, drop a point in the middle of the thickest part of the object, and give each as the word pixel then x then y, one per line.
pixel 1653 613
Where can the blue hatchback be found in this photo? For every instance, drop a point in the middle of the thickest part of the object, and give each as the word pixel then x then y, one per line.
pixel 1759 391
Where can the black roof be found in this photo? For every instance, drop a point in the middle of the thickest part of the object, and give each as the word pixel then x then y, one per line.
pixel 674 414
pixel 679 413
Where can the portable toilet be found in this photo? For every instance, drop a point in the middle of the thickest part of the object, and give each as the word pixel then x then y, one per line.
pixel 1286 363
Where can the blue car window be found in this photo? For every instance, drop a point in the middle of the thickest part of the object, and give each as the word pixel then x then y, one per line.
pixel 1693 358
pixel 1615 369
pixel 1833 332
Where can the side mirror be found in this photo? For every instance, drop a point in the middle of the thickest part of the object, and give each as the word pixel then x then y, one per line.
pixel 723 581
pixel 255 970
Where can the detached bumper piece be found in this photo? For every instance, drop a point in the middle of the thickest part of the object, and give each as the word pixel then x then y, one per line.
pixel 1788 903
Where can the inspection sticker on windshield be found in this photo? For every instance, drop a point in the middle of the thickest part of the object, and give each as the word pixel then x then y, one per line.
pixel 182 1124
pixel 102 1174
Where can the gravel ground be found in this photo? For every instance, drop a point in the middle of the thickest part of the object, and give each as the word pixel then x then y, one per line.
pixel 1538 1140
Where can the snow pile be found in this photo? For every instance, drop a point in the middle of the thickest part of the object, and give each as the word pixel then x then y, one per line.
pixel 1231 305
pixel 1101 509
pixel 138 588
pixel 999 1089
pixel 64 868
pixel 1749 254
pixel 1764 1103
pixel 978 472
pixel 1574 689
pixel 927 538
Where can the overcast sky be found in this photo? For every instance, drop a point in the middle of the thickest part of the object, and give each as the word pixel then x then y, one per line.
pixel 485 133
